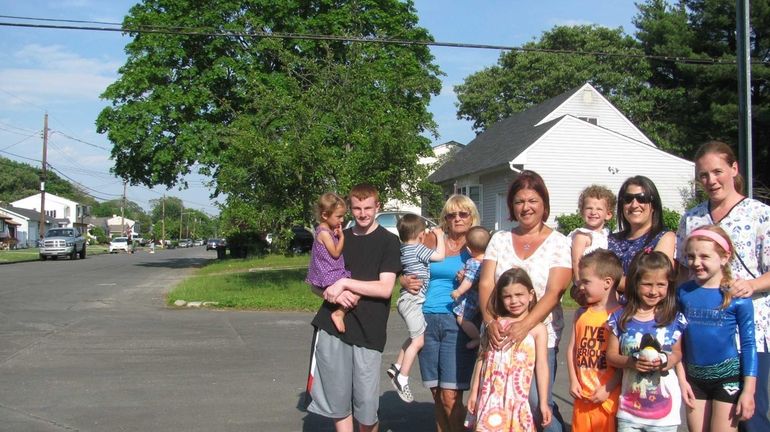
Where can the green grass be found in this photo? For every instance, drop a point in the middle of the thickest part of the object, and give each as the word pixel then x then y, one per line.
pixel 273 282
pixel 30 254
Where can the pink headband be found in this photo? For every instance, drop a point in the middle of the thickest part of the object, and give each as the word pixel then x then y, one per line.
pixel 712 236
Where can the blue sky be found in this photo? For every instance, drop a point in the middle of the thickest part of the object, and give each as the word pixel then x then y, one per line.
pixel 63 72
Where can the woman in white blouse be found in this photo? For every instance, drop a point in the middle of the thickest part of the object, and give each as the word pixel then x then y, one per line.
pixel 545 254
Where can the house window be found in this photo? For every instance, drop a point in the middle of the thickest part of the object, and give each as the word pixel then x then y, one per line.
pixel 591 120
pixel 51 213
pixel 473 192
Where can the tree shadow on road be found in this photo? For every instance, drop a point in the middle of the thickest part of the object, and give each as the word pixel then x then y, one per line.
pixel 176 263
pixel 395 415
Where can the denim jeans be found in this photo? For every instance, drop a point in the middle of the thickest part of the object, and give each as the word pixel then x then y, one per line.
pixel 557 423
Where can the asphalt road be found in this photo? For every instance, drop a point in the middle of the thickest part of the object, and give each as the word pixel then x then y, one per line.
pixel 89 345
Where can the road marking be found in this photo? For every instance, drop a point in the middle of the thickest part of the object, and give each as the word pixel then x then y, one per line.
pixel 106 284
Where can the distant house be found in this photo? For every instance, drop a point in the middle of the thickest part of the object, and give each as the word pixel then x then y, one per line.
pixel 62 212
pixel 438 151
pixel 122 226
pixel 23 225
pixel 572 140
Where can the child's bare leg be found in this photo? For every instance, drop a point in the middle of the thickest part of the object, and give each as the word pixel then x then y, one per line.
pixel 723 417
pixel 410 353
pixel 699 416
pixel 471 331
pixel 338 319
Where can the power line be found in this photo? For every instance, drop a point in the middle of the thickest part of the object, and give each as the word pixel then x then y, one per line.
pixel 188 31
pixel 19 142
pixel 22 157
pixel 80 140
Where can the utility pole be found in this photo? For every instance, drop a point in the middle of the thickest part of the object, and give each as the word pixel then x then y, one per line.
pixel 122 211
pixel 181 213
pixel 41 225
pixel 745 148
pixel 163 222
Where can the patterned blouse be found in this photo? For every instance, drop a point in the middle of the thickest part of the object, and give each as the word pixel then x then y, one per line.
pixel 627 249
pixel 553 252
pixel 748 224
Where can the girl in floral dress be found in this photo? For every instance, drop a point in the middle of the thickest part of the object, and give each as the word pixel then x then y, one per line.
pixel 499 398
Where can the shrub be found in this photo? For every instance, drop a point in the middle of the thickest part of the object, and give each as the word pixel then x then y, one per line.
pixel 572 221
pixel 671 219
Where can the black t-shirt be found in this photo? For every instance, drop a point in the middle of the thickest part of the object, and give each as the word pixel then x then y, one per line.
pixel 365 257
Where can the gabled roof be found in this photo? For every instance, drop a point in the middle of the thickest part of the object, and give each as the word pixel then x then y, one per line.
pixel 27 213
pixel 503 141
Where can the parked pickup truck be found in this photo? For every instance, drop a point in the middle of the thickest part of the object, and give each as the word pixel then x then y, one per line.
pixel 62 242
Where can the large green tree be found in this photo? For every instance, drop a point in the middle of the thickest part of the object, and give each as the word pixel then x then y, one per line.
pixel 704 98
pixel 275 121
pixel 19 180
pixel 678 104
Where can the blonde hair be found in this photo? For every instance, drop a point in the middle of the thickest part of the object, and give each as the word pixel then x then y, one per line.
pixel 597 192
pixel 459 202
pixel 727 274
pixel 326 204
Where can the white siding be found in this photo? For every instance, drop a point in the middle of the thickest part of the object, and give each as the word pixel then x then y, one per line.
pixel 573 155
pixel 579 105
pixel 494 184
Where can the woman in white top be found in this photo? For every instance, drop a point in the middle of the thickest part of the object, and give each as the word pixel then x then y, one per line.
pixel 747 222
pixel 545 254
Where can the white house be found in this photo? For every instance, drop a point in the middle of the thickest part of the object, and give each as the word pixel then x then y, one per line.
pixel 63 212
pixel 438 151
pixel 122 226
pixel 26 224
pixel 572 140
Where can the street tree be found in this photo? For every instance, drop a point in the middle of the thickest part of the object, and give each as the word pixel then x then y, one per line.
pixel 275 121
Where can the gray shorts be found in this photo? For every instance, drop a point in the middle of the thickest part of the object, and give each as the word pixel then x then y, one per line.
pixel 346 379
pixel 410 308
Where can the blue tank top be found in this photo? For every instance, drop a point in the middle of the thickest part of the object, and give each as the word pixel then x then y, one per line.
pixel 443 279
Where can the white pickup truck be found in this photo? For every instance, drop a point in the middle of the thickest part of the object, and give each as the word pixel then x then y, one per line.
pixel 62 242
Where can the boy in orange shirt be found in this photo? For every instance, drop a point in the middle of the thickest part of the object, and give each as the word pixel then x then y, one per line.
pixel 593 382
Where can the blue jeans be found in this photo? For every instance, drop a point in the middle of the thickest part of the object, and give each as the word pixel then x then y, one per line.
pixel 445 362
pixel 760 422
pixel 627 426
pixel 557 422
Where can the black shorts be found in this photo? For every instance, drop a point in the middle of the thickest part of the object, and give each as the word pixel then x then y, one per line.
pixel 721 389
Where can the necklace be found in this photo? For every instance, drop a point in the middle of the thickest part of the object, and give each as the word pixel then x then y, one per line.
pixel 527 245
pixel 453 245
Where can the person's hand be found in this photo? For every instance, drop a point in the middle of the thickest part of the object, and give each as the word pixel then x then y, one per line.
pixel 744 409
pixel 644 366
pixel 575 390
pixel 455 294
pixel 460 275
pixel 438 232
pixel 411 283
pixel 496 334
pixel 332 291
pixel 600 394
pixel 545 411
pixel 472 402
pixel 742 288
pixel 688 397
pixel 516 333
pixel 348 299
pixel 338 232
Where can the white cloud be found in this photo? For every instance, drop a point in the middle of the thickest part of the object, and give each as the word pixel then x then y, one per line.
pixel 568 22
pixel 58 58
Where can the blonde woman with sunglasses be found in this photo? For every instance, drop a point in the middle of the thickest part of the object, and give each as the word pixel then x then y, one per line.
pixel 446 364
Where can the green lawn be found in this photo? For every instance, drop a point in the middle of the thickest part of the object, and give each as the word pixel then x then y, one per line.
pixel 273 282
pixel 30 254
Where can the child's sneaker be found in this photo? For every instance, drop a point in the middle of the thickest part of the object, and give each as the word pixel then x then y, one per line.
pixel 392 371
pixel 403 390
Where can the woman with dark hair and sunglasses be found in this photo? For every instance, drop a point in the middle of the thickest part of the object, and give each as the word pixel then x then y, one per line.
pixel 446 365
pixel 545 254
pixel 640 220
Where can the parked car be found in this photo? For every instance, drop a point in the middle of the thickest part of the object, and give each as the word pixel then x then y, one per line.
pixel 62 242
pixel 214 243
pixel 185 243
pixel 301 242
pixel 198 242
pixel 389 220
pixel 120 244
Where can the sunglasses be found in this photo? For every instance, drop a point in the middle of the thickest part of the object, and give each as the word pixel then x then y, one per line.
pixel 462 214
pixel 641 198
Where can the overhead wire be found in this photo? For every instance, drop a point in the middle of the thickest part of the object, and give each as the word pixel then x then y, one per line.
pixel 189 31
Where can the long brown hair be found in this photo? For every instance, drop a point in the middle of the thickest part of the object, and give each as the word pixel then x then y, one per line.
pixel 644 262
pixel 495 305
pixel 727 274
